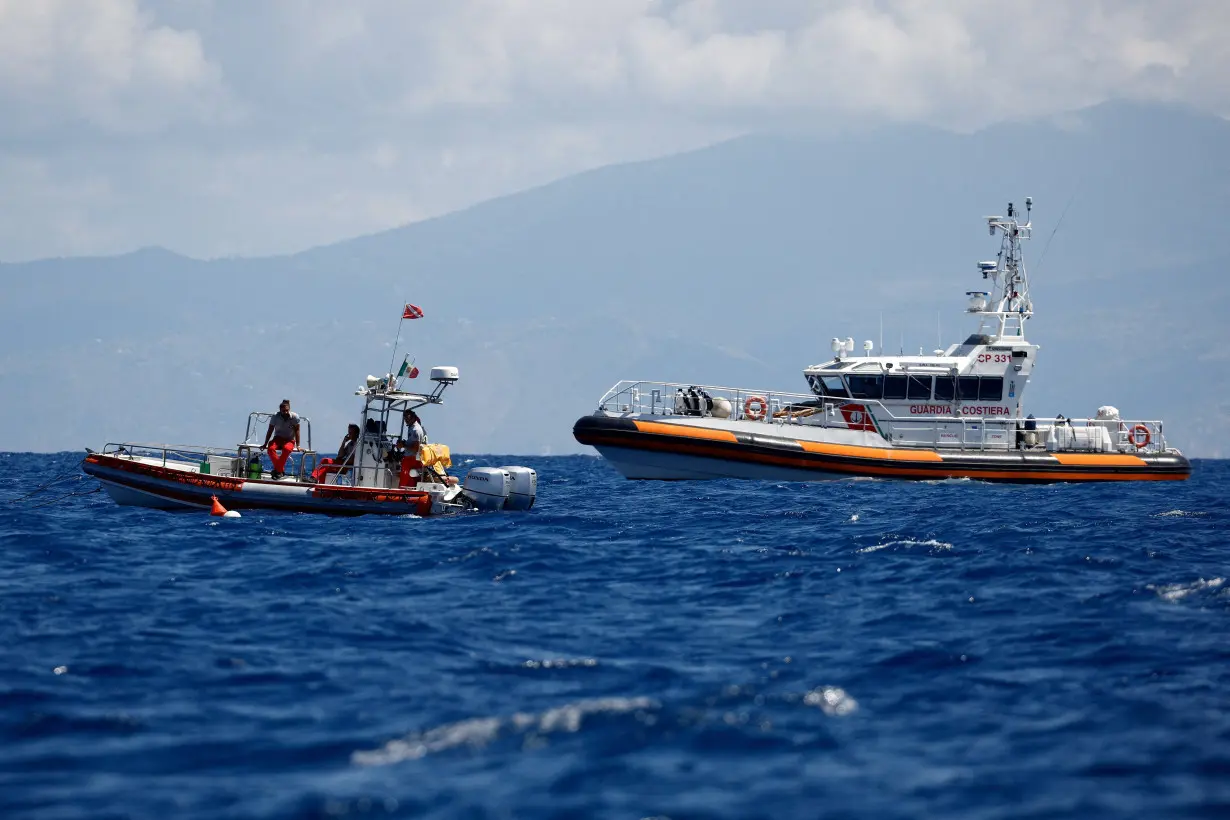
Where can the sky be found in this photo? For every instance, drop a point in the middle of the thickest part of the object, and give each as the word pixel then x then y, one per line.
pixel 225 127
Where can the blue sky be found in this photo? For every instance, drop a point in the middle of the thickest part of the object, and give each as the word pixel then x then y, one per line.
pixel 232 128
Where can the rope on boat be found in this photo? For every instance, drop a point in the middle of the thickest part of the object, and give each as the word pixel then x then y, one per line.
pixel 63 477
pixel 1047 246
pixel 63 497
pixel 58 482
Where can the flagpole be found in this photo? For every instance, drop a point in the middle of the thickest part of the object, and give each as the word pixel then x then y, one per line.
pixel 396 339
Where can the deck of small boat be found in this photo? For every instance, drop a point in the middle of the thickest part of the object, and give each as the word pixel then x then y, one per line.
pixel 147 481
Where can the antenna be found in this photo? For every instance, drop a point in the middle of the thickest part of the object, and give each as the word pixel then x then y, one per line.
pixel 397 338
pixel 1047 246
pixel 939 332
pixel 881 333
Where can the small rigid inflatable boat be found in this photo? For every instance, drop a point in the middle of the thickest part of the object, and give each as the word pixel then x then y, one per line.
pixel 384 475
pixel 956 413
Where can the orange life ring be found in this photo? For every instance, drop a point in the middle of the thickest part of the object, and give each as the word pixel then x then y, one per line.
pixel 754 408
pixel 1136 440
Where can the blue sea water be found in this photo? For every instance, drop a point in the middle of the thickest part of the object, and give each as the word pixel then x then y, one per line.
pixel 624 650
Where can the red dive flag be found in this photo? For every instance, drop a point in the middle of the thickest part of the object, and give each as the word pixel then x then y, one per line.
pixel 412 312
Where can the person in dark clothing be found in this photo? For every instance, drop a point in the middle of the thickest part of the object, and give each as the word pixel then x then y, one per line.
pixel 346 450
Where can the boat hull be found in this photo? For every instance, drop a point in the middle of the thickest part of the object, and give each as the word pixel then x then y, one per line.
pixel 641 448
pixel 132 482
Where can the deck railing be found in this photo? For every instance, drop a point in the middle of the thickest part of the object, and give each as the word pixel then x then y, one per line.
pixel 222 461
pixel 972 432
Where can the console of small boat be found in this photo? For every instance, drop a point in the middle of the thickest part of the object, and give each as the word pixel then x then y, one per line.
pixel 955 413
pixel 384 474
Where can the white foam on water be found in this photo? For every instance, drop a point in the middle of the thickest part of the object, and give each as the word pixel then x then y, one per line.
pixel 478 732
pixel 1177 592
pixel 832 700
pixel 1179 514
pixel 559 663
pixel 930 543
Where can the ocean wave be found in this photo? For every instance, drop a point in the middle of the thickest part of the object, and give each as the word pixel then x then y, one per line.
pixel 1177 592
pixel 908 543
pixel 478 732
pixel 625 649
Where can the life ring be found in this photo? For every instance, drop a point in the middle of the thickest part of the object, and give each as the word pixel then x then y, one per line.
pixel 1134 436
pixel 754 408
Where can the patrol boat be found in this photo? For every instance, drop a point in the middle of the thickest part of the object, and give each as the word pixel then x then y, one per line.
pixel 957 413
pixel 384 477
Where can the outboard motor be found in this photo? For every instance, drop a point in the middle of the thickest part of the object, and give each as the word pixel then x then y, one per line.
pixel 487 487
pixel 523 487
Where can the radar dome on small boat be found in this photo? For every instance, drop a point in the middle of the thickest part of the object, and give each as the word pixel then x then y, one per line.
pixel 445 374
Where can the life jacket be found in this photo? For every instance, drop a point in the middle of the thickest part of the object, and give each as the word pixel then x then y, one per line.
pixel 322 470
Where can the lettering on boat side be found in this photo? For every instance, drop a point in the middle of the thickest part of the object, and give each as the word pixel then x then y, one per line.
pixel 965 410
pixel 177 476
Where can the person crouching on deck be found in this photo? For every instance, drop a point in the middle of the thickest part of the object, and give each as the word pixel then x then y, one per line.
pixel 284 432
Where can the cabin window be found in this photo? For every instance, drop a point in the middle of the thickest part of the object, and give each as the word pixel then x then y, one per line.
pixel 919 388
pixel 866 387
pixel 834 386
pixel 894 387
pixel 945 388
pixel 991 388
pixel 967 388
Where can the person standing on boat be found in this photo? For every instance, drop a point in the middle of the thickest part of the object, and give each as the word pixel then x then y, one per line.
pixel 407 451
pixel 345 450
pixel 284 433
pixel 414 435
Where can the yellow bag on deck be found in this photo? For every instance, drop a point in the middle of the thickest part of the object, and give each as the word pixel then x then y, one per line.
pixel 435 455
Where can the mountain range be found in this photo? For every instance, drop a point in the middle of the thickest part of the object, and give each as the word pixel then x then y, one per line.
pixel 734 264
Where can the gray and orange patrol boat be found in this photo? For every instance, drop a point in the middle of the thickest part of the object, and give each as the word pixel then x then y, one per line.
pixel 957 413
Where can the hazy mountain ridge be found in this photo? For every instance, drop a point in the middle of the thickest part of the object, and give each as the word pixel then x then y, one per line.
pixel 734 264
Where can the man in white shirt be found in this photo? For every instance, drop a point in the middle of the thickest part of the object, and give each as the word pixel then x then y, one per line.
pixel 414 431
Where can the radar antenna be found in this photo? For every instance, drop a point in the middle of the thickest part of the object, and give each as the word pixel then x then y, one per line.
pixel 1006 306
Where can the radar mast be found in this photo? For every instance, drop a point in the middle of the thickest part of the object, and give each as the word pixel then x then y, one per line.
pixel 1004 308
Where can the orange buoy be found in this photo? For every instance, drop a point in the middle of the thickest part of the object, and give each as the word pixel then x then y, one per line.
pixel 218 509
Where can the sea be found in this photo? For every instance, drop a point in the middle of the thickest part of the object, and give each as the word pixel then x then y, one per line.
pixel 624 649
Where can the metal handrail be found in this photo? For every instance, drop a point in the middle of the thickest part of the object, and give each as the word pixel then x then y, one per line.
pixel 658 398
pixel 196 453
pixel 259 416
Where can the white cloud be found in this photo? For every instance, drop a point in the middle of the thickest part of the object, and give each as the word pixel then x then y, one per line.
pixel 101 64
pixel 217 127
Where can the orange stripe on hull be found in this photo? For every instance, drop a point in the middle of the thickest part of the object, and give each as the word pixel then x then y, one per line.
pixel 881 453
pixel 700 449
pixel 685 431
pixel 1099 460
